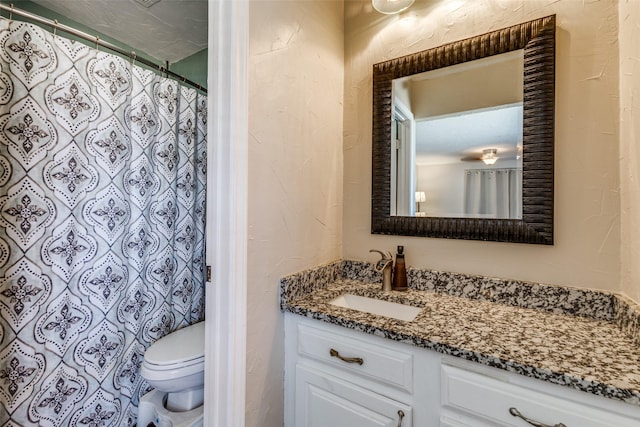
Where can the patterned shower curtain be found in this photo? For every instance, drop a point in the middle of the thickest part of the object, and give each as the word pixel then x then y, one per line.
pixel 102 207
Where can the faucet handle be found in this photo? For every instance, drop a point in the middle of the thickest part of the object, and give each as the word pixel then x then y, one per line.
pixel 385 262
pixel 385 255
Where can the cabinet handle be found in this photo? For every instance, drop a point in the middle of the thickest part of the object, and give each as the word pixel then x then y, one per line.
pixel 334 353
pixel 516 413
pixel 400 417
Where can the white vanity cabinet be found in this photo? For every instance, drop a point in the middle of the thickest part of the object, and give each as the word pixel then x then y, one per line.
pixel 336 377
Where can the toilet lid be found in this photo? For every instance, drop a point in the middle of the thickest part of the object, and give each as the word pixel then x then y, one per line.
pixel 181 346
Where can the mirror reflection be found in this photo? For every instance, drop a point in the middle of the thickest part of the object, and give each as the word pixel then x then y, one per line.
pixel 457 134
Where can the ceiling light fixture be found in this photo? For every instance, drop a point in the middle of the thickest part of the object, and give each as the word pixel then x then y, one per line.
pixel 389 7
pixel 489 156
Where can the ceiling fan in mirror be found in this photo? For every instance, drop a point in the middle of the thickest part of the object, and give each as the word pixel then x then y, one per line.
pixel 488 156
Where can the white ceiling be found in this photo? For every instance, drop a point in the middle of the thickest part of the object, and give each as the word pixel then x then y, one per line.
pixel 169 30
pixel 451 138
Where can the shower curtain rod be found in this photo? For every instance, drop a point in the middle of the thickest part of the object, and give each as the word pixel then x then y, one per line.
pixel 70 30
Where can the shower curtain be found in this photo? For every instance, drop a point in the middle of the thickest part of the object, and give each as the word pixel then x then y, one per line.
pixel 102 208
pixel 493 193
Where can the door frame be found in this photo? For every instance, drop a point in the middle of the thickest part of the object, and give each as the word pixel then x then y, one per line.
pixel 227 163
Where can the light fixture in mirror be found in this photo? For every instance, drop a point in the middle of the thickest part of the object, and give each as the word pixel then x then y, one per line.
pixel 389 7
pixel 489 156
pixel 534 224
pixel 421 197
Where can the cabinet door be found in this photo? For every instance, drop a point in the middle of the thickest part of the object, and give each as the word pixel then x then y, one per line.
pixel 326 401
pixel 480 400
pixel 447 422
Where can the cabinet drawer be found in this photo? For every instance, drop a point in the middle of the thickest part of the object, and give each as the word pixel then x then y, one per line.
pixel 489 400
pixel 388 366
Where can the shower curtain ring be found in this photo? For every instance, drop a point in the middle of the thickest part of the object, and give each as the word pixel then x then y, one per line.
pixel 11 13
pixel 55 27
pixel 133 57
pixel 97 41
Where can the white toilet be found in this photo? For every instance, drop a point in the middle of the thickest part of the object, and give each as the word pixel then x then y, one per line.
pixel 174 367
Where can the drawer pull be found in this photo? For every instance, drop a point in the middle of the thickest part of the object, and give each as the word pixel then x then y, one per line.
pixel 334 353
pixel 516 413
pixel 400 418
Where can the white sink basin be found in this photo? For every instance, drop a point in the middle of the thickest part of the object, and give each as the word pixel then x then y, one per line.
pixel 376 306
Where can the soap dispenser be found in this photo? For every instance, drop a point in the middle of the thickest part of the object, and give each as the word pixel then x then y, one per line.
pixel 400 271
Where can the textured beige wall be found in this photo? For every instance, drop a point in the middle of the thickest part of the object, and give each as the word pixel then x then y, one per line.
pixel 587 210
pixel 630 145
pixel 295 173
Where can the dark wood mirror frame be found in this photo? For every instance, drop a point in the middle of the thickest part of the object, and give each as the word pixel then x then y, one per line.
pixel 537 38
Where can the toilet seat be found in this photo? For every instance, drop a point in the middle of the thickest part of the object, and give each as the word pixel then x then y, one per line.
pixel 183 347
pixel 170 366
pixel 162 372
pixel 181 353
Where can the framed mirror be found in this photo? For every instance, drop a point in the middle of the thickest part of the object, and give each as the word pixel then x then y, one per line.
pixel 501 131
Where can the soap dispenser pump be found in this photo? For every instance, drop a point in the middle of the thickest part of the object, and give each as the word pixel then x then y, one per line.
pixel 400 271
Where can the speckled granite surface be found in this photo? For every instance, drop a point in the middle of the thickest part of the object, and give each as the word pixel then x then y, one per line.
pixel 579 338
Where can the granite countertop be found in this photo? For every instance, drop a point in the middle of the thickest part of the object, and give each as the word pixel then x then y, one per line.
pixel 591 353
